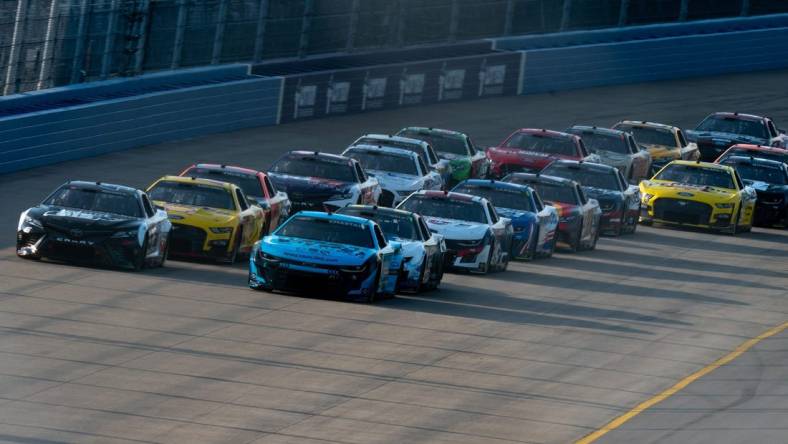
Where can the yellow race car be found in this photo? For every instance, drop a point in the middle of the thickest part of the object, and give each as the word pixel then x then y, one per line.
pixel 665 143
pixel 698 194
pixel 209 218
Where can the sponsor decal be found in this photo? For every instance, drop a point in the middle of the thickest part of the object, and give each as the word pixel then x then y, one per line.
pixel 411 88
pixel 305 98
pixel 337 95
pixel 491 79
pixel 374 92
pixel 69 241
pixel 450 83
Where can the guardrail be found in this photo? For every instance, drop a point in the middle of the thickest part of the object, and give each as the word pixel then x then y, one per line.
pixel 148 110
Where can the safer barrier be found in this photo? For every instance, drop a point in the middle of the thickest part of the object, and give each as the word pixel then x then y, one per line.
pixel 102 126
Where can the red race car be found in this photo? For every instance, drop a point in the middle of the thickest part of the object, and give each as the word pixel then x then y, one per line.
pixel 256 186
pixel 759 151
pixel 530 150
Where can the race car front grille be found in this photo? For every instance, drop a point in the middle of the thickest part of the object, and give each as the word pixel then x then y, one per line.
pixel 308 202
pixel 682 211
pixel 186 239
pixel 770 198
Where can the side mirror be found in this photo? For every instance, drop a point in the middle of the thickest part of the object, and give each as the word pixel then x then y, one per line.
pixel 260 202
pixel 396 246
pixel 642 147
pixel 505 221
pixel 781 131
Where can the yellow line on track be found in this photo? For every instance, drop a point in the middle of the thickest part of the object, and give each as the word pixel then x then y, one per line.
pixel 640 408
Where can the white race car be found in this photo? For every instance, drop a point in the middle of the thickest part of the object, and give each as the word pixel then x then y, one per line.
pixel 420 147
pixel 477 239
pixel 399 172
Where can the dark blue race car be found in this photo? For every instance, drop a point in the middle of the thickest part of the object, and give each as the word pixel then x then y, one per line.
pixel 327 254
pixel 534 223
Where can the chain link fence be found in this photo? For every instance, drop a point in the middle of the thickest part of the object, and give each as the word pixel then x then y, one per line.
pixel 45 43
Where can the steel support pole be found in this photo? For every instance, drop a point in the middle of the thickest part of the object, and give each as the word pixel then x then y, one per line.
pixel 745 8
pixel 142 30
pixel 684 10
pixel 259 39
pixel 109 39
pixel 48 52
pixel 508 18
pixel 79 49
pixel 20 22
pixel 306 26
pixel 218 38
pixel 454 19
pixel 180 29
pixel 352 29
pixel 566 15
pixel 623 13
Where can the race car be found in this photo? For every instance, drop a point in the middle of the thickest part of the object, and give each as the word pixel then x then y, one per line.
pixel 422 250
pixel 399 172
pixel 758 151
pixel 465 160
pixel 698 194
pixel 256 186
pixel 530 150
pixel 534 223
pixel 327 253
pixel 665 143
pixel 477 239
pixel 618 200
pixel 420 147
pixel 93 222
pixel 719 131
pixel 320 181
pixel 616 148
pixel 210 219
pixel 578 215
pixel 769 178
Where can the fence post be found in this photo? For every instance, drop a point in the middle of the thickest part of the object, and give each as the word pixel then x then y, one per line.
pixel 259 38
pixel 180 28
pixel 48 52
pixel 745 8
pixel 566 14
pixel 218 38
pixel 79 50
pixel 142 42
pixel 508 18
pixel 623 13
pixel 109 39
pixel 306 26
pixel 684 10
pixel 454 19
pixel 20 21
pixel 352 29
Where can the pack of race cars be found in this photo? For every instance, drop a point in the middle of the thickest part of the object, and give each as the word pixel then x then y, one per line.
pixel 394 212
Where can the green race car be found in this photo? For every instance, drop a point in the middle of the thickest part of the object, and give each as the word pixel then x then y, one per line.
pixel 465 160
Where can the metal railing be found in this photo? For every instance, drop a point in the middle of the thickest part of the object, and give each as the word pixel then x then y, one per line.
pixel 45 43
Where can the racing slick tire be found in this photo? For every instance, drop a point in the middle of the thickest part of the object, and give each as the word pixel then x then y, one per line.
pixel 504 265
pixel 592 245
pixel 735 224
pixel 372 297
pixel 164 254
pixel 232 258
pixel 140 260
pixel 574 242
pixel 436 275
pixel 531 255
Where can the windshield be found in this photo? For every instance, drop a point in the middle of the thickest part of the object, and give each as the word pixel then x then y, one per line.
pixel 328 230
pixel 648 135
pixel 381 161
pixel 401 226
pixel 193 194
pixel 603 142
pixel 556 193
pixel 412 147
pixel 733 125
pixel 70 196
pixel 757 154
pixel 696 175
pixel 761 173
pixel 446 208
pixel 587 177
pixel 562 146
pixel 247 182
pixel 501 198
pixel 442 143
pixel 314 167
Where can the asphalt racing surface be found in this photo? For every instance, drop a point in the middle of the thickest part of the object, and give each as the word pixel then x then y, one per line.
pixel 546 352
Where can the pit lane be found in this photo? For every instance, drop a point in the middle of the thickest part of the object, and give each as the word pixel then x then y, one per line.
pixel 546 352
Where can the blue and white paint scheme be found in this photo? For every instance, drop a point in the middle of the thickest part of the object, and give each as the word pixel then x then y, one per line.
pixel 423 251
pixel 327 253
pixel 534 223
pixel 399 172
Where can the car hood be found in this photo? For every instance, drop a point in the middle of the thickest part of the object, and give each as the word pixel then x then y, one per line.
pixel 601 193
pixel 315 252
pixel 58 217
pixel 309 185
pixel 727 138
pixel 452 157
pixel 663 152
pixel 766 187
pixel 679 190
pixel 457 229
pixel 518 217
pixel 396 181
pixel 410 247
pixel 610 157
pixel 197 215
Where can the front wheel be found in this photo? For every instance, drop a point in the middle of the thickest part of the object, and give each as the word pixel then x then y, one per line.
pixel 139 261
pixel 233 256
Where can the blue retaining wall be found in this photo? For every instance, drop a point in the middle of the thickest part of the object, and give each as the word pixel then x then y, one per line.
pixel 183 105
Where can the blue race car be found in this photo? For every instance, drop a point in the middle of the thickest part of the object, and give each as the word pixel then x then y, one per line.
pixel 422 249
pixel 534 223
pixel 330 254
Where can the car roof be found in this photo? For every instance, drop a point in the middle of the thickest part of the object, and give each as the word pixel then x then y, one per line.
pixel 230 168
pixel 543 178
pixel 496 184
pixel 379 210
pixel 123 189
pixel 587 166
pixel 450 195
pixel 199 181
pixel 765 149
pixel 548 133
pixel 336 158
pixel 595 130
pixel 737 160
pixel 646 124
pixel 394 138
pixel 334 216
pixel 385 149
pixel 735 115
pixel 707 165
pixel 431 130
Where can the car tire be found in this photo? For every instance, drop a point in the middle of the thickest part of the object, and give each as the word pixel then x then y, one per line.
pixel 233 257
pixel 421 287
pixel 532 249
pixel 139 261
pixel 165 254
pixel 575 242
pixel 372 297
pixel 734 230
pixel 437 276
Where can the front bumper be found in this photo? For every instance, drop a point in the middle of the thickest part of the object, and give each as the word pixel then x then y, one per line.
pixel 98 250
pixel 771 214
pixel 467 258
pixel 196 242
pixel 689 213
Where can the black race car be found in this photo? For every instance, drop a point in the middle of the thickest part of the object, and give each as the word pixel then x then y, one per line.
pixel 92 222
pixel 769 178
pixel 618 200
